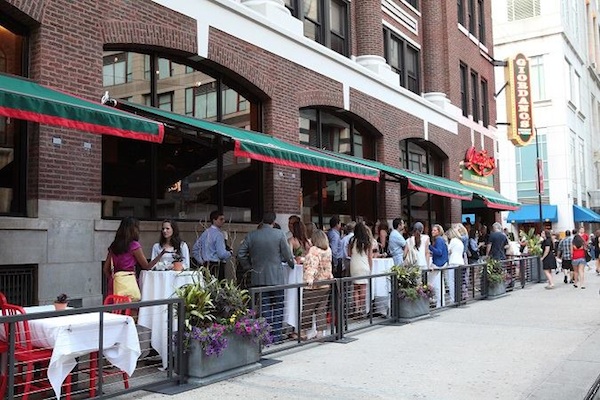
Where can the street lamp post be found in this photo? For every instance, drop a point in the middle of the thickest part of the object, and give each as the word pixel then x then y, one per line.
pixel 540 178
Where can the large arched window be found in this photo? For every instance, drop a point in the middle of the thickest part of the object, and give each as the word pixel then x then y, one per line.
pixel 422 156
pixel 324 196
pixel 13 133
pixel 179 178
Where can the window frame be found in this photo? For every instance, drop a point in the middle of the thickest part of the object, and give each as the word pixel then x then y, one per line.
pixel 464 88
pixel 404 48
pixel 474 76
pixel 481 21
pixel 324 32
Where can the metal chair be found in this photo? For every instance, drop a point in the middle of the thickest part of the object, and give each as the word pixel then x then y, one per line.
pixel 110 299
pixel 28 356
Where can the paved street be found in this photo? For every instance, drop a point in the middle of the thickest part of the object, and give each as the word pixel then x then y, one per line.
pixel 531 344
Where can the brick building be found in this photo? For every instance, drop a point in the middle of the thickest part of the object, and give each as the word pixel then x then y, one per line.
pixel 406 83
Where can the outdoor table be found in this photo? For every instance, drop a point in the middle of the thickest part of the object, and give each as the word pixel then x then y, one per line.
pixel 156 285
pixel 290 307
pixel 71 336
pixel 380 292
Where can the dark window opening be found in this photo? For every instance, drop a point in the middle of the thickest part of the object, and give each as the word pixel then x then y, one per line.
pixel 464 89
pixel 190 173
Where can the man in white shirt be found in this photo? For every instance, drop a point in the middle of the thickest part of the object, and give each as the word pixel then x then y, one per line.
pixel 349 230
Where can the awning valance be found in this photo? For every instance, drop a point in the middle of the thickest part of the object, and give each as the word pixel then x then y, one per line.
pixel 415 180
pixel 583 214
pixel 493 199
pixel 23 99
pixel 262 147
pixel 531 213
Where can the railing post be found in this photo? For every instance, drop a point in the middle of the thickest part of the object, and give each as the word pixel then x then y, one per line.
pixel 485 283
pixel 394 298
pixel 338 299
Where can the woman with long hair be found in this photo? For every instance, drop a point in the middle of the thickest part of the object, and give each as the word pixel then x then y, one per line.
pixel 418 243
pixel 382 234
pixel 299 242
pixel 360 250
pixel 124 253
pixel 175 248
pixel 439 259
pixel 456 250
pixel 579 263
pixel 317 267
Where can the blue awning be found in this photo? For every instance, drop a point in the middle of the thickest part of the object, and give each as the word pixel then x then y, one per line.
pixel 582 214
pixel 531 213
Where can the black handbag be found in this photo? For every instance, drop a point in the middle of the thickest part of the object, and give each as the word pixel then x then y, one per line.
pixel 588 256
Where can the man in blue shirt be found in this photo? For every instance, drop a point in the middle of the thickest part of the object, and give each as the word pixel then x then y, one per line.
pixel 335 242
pixel 210 249
pixel 397 242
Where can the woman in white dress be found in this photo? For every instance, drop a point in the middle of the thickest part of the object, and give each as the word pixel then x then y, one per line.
pixel 174 248
pixel 456 250
pixel 361 263
pixel 420 242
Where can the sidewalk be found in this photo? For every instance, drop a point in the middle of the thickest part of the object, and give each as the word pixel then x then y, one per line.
pixel 532 344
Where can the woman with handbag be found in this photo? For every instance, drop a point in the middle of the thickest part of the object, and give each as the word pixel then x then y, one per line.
pixel 124 253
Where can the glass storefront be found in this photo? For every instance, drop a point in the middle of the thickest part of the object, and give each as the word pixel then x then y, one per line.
pixel 179 177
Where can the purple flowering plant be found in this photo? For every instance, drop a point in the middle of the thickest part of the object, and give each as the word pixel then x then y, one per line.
pixel 214 309
pixel 409 282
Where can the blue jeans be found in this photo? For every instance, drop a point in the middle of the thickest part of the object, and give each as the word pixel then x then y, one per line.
pixel 271 308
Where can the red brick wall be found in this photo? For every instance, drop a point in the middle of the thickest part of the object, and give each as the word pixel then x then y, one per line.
pixel 66 53
pixel 369 37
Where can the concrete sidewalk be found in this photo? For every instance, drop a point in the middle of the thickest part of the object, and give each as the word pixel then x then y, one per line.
pixel 532 344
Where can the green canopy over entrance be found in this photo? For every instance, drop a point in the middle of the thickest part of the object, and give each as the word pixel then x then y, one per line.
pixel 416 181
pixel 493 199
pixel 23 99
pixel 262 147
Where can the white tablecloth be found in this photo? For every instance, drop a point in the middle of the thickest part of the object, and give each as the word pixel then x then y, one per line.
pixel 381 286
pixel 290 308
pixel 72 336
pixel 157 285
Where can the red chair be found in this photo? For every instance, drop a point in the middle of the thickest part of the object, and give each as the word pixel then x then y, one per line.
pixel 110 299
pixel 28 356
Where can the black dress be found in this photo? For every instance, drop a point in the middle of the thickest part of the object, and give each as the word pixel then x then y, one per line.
pixel 549 262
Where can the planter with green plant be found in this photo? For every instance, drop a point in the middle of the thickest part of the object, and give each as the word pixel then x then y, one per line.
pixel 222 335
pixel 413 296
pixel 496 278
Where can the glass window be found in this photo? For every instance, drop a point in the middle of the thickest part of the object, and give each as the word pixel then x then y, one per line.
pixel 485 111
pixel 481 21
pixel 404 60
pixel 13 132
pixel 187 179
pixel 471 16
pixel 538 79
pixel 464 89
pixel 325 21
pixel 475 95
pixel 324 195
pixel 526 166
pixel 116 69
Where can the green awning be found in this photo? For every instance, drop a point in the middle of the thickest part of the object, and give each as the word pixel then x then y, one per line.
pixel 416 181
pixel 493 199
pixel 21 98
pixel 262 147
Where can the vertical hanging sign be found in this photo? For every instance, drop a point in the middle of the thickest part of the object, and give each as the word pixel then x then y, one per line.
pixel 518 101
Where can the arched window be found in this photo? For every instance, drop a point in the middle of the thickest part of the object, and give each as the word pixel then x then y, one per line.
pixel 324 196
pixel 422 156
pixel 13 132
pixel 180 177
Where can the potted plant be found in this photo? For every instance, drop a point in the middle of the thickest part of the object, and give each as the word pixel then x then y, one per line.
pixel 221 333
pixel 177 262
pixel 61 302
pixel 413 295
pixel 496 278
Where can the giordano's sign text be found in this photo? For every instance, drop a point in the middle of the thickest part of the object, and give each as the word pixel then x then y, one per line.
pixel 518 101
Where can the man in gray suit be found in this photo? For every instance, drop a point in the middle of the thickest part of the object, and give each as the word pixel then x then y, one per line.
pixel 263 251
